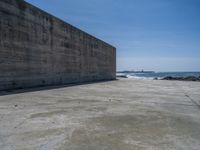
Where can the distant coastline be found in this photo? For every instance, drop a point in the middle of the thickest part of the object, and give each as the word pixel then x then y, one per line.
pixel 136 71
pixel 181 76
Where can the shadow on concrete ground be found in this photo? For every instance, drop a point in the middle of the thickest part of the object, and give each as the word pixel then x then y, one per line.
pixel 41 88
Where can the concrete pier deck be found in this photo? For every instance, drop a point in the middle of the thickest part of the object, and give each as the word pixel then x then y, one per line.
pixel 126 114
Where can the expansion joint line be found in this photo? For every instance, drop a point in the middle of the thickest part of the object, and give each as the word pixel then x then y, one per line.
pixel 188 96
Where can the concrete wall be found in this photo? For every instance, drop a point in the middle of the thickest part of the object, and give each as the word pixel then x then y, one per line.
pixel 38 49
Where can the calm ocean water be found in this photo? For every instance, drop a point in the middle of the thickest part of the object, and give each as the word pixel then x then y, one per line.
pixel 160 75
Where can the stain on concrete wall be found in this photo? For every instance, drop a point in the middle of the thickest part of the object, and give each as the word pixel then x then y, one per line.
pixel 38 49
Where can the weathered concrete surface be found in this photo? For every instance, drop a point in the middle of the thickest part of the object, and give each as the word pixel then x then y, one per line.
pixel 38 49
pixel 117 115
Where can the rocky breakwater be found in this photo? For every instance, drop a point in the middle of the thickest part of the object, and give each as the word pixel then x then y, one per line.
pixel 189 78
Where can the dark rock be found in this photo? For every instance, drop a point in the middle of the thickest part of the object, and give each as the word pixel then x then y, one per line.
pixel 168 78
pixel 122 76
pixel 189 78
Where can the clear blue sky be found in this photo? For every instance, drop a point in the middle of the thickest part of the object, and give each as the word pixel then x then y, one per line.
pixel 159 35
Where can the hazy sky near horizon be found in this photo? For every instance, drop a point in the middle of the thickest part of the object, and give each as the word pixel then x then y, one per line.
pixel 159 35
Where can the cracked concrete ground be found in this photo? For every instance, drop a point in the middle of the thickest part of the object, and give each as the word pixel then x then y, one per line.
pixel 126 114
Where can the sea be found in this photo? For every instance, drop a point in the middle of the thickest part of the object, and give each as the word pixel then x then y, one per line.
pixel 158 75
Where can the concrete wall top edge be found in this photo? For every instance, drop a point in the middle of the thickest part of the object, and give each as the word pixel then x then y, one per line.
pixel 48 14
